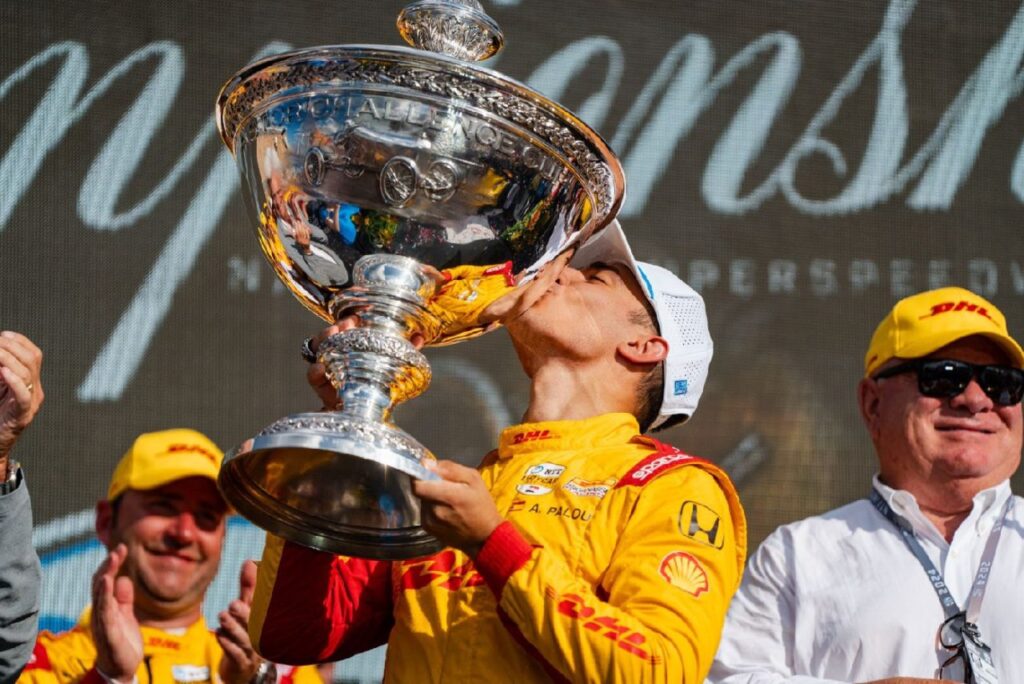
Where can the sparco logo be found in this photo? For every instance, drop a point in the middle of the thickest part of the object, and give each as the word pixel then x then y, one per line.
pixel 946 307
pixel 657 464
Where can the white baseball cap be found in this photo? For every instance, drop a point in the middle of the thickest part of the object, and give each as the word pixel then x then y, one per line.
pixel 682 319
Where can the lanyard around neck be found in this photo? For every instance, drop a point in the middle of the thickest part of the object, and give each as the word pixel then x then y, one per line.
pixel 949 604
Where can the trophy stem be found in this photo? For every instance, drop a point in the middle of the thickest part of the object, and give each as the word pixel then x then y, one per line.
pixel 363 401
pixel 375 366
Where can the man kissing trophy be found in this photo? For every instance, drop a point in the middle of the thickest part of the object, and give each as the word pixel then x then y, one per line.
pixel 367 170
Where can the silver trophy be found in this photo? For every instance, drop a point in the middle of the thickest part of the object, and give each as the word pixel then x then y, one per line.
pixel 366 170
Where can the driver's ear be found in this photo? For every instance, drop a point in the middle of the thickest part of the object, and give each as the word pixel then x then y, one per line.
pixel 644 350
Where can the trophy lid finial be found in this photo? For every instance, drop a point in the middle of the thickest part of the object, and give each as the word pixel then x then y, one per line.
pixel 458 28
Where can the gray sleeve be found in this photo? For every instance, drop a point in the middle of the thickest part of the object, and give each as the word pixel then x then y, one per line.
pixel 20 577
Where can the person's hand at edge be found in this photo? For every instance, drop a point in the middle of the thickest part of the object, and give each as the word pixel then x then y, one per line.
pixel 21 390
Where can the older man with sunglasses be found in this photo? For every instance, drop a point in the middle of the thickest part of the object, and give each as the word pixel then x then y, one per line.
pixel 923 578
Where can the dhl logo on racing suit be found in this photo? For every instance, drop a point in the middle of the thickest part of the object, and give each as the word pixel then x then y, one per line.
pixel 532 436
pixel 440 570
pixel 575 607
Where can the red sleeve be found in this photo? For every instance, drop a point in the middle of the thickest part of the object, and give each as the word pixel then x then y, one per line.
pixel 93 677
pixel 312 606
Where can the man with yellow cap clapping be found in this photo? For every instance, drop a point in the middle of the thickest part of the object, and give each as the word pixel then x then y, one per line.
pixel 163 523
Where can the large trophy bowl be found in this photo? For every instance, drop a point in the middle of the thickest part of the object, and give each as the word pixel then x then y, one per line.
pixel 367 169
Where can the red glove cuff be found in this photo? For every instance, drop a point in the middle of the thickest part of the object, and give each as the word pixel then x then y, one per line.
pixel 504 552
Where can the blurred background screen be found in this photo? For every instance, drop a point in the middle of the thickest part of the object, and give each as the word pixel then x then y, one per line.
pixel 803 164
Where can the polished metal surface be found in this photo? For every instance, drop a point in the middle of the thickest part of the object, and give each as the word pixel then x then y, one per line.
pixel 457 28
pixel 333 483
pixel 366 170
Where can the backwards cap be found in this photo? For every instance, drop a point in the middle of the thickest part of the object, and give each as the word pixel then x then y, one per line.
pixel 925 322
pixel 158 458
pixel 682 319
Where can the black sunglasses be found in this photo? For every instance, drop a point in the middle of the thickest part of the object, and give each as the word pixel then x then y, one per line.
pixel 943 378
pixel 951 637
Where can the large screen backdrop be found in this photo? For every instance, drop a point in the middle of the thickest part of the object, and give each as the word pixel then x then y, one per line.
pixel 802 164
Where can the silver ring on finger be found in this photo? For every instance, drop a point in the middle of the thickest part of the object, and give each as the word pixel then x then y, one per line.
pixel 306 350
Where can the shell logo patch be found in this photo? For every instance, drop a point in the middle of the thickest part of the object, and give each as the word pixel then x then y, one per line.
pixel 682 570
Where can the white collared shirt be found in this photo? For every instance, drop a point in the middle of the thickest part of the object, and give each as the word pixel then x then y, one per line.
pixel 840 597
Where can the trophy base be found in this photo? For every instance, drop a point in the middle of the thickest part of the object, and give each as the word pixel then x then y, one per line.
pixel 333 482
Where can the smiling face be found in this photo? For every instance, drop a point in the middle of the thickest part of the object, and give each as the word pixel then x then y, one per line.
pixel 926 445
pixel 174 535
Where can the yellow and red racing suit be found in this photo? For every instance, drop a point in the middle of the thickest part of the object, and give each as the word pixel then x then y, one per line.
pixel 616 562
pixel 191 656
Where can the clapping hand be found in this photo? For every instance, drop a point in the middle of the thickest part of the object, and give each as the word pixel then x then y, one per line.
pixel 115 629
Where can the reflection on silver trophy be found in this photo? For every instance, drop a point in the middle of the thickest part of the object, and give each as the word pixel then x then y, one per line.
pixel 367 169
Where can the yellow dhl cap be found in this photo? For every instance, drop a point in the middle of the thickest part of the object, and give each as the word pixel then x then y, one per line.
pixel 157 458
pixel 925 322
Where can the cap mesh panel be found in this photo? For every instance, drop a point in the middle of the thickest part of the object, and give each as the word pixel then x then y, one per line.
pixel 688 319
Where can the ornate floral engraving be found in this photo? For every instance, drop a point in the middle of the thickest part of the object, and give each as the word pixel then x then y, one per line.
pixel 458 28
pixel 380 435
pixel 375 342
